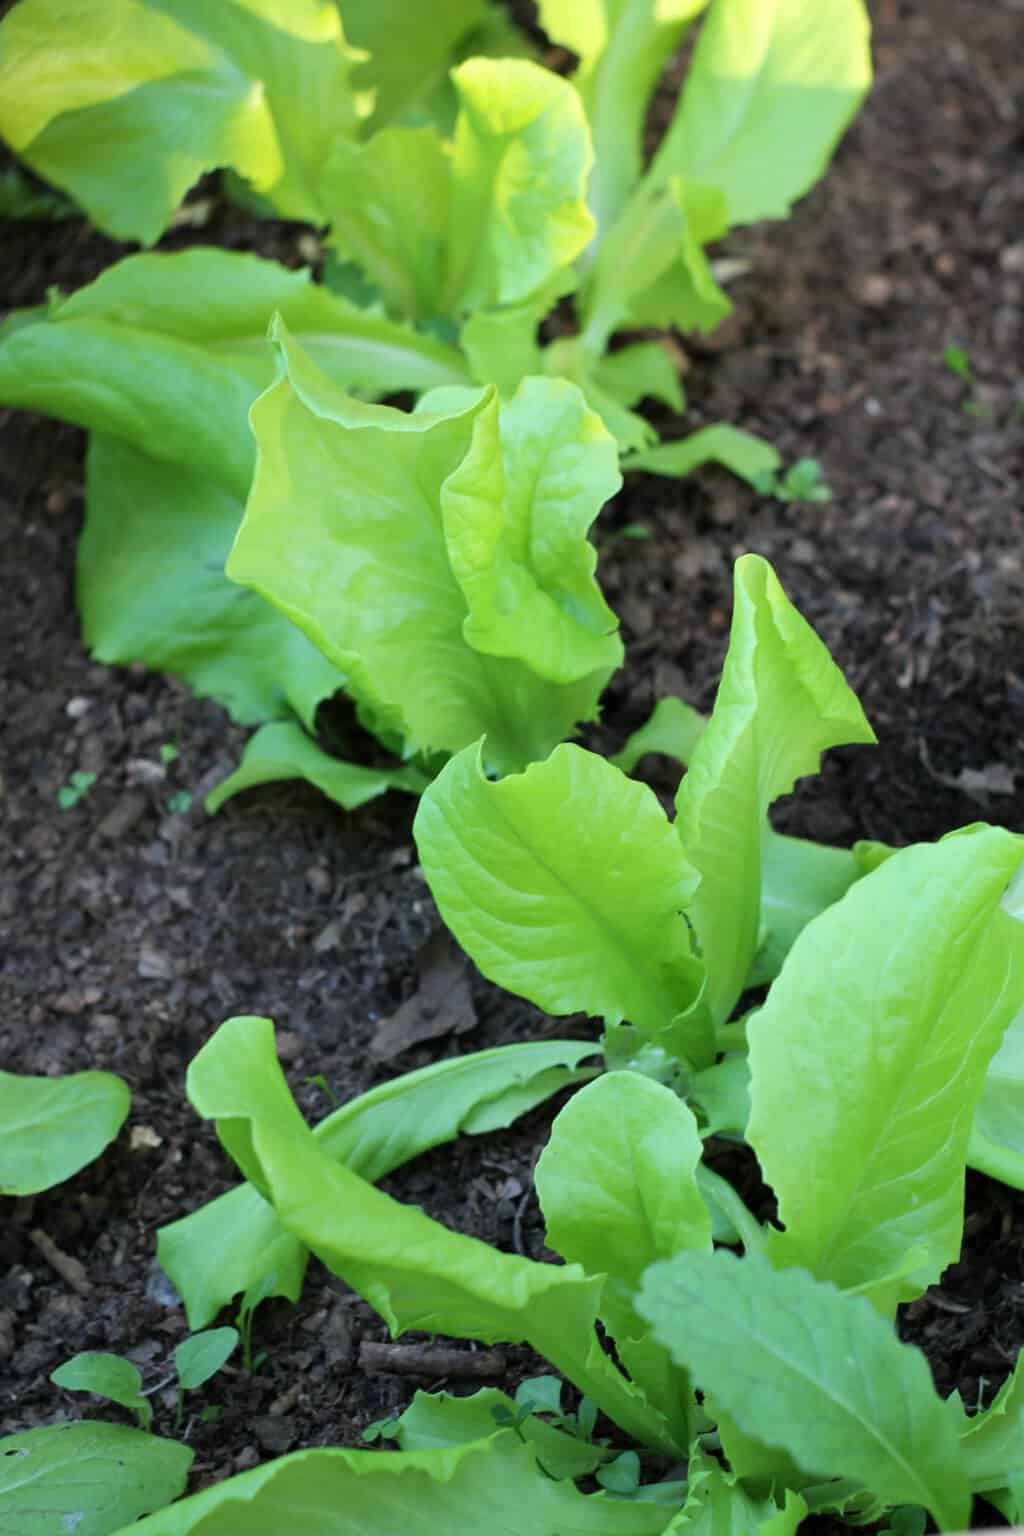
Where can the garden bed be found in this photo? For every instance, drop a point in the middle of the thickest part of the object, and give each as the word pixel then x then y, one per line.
pixel 130 927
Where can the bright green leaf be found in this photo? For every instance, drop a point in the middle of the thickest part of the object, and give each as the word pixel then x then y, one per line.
pixel 135 355
pixel 642 371
pixel 227 1246
pixel 570 358
pixel 781 702
pixel 517 511
pixel 502 344
pixel 151 587
pixel 772 86
pixel 996 1144
pixel 722 1094
pixel 109 1376
pixel 520 160
pixel 89 1478
pixel 388 204
pixel 617 1185
pixel 436 1421
pixel 652 268
pixel 589 922
pixel 126 103
pixel 285 751
pixel 799 879
pixel 992 1442
pixel 815 1372
pixel 411 49
pixel 491 1485
pixel 888 1008
pixel 50 1127
pixel 673 729
pixel 616 1181
pixel 742 454
pixel 717 1504
pixel 201 1356
pixel 622 46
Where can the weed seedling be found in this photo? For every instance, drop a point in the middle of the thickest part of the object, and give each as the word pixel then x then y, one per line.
pixel 77 787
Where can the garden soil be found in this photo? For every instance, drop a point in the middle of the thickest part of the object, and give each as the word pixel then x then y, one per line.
pixel 130 928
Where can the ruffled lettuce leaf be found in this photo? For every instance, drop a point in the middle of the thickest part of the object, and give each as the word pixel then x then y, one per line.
pixel 126 103
pixel 445 227
pixel 493 1484
pixel 165 383
pixel 444 566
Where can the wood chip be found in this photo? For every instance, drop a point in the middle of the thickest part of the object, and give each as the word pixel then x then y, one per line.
pixel 68 1268
pixel 432 1360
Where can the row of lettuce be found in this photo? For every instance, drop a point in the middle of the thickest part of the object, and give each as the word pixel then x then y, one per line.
pixel 259 525
pixel 463 189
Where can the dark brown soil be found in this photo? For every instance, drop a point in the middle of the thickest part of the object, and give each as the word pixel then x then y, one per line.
pixel 128 932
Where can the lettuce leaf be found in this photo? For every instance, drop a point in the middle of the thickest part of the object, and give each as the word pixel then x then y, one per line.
pixel 772 86
pixel 888 1009
pixel 618 1188
pixel 151 587
pixel 405 79
pixel 414 1272
pixel 622 45
pixel 781 701
pixel 494 1484
pixel 483 220
pixel 282 751
pixel 125 103
pixel 50 1127
pixel 166 383
pixel 236 1241
pixel 996 1144
pixel 565 884
pixel 770 89
pixel 800 1366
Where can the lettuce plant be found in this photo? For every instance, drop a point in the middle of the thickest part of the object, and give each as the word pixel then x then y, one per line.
pixel 776 1375
pixel 659 927
pixel 455 592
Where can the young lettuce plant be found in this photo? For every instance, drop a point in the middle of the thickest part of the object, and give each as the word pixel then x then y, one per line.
pixel 888 1007
pixel 569 885
pixel 464 597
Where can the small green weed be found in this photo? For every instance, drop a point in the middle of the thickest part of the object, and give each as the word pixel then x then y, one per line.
pixel 77 787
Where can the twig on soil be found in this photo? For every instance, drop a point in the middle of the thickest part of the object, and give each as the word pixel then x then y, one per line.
pixel 68 1268
pixel 431 1360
